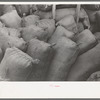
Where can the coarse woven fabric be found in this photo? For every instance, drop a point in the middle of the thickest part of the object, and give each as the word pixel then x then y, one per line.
pixel 16 65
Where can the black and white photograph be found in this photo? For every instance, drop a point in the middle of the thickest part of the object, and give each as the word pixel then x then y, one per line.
pixel 49 42
pixel 49 49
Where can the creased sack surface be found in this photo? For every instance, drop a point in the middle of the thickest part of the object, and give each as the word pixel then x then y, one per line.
pixel 10 31
pixel 16 65
pixel 66 52
pixel 60 13
pixel 44 52
pixel 48 24
pixel 14 32
pixel 11 41
pixel 86 41
pixel 59 32
pixel 94 76
pixel 85 65
pixel 33 31
pixel 11 19
pixel 69 23
pixel 30 20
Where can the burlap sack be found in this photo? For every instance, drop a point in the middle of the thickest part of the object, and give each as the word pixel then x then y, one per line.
pixel 33 31
pixel 16 65
pixel 44 52
pixel 66 52
pixel 86 41
pixel 11 19
pixel 29 20
pixel 10 32
pixel 11 41
pixel 48 24
pixel 69 23
pixel 59 32
pixel 85 65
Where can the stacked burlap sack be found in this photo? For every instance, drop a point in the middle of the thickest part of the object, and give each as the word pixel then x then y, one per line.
pixel 34 46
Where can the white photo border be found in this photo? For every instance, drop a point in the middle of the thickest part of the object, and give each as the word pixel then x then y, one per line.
pixel 50 89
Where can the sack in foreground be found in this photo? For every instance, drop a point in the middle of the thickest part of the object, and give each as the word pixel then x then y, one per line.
pixel 16 65
pixel 44 52
pixel 66 52
pixel 85 65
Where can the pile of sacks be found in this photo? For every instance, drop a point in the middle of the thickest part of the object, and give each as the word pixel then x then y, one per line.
pixel 36 47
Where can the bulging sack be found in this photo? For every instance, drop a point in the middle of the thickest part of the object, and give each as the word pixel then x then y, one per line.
pixel 33 31
pixel 66 52
pixel 11 41
pixel 85 65
pixel 16 65
pixel 86 41
pixel 60 13
pixel 17 42
pixel 10 32
pixel 69 23
pixel 30 20
pixel 59 32
pixel 48 24
pixel 11 19
pixel 14 32
pixel 44 52
pixel 94 76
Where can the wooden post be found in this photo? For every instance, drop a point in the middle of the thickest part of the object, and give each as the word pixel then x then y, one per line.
pixel 78 8
pixel 54 11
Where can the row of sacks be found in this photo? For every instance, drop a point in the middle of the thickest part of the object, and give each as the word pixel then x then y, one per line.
pixel 59 61
pixel 39 49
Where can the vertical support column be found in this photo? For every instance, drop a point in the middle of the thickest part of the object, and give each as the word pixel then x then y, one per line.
pixel 54 11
